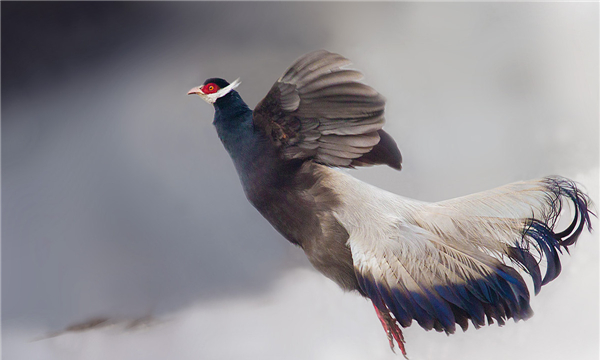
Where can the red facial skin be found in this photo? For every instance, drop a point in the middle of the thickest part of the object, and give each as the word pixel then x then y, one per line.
pixel 210 88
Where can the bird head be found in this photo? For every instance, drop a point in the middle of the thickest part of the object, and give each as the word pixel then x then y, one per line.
pixel 213 89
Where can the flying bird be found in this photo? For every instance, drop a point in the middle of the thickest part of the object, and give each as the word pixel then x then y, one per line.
pixel 440 264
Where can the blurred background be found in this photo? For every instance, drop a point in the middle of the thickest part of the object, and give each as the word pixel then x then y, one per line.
pixel 120 203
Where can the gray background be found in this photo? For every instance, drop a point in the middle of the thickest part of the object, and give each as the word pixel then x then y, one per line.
pixel 118 199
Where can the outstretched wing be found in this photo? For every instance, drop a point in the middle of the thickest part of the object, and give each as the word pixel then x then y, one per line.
pixel 319 111
pixel 447 262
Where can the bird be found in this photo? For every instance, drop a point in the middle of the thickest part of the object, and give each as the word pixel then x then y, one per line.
pixel 440 264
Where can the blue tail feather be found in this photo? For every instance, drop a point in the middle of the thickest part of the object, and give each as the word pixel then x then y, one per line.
pixel 550 243
pixel 528 263
pixel 502 294
pixel 398 308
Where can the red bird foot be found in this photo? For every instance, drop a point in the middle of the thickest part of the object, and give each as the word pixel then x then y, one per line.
pixel 390 325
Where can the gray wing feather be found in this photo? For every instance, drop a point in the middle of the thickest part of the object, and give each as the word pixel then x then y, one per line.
pixel 318 110
pixel 366 140
pixel 330 79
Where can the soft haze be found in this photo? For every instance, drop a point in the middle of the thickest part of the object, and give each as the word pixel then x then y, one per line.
pixel 118 199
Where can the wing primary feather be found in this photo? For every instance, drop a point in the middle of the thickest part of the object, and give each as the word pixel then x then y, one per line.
pixel 349 148
pixel 332 124
pixel 331 79
pixel 331 160
pixel 364 140
pixel 355 89
pixel 323 66
pixel 301 63
pixel 338 153
pixel 354 130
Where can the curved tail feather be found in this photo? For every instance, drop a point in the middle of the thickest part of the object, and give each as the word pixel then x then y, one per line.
pixel 549 242
pixel 449 262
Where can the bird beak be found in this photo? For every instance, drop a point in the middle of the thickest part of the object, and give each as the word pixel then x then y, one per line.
pixel 195 90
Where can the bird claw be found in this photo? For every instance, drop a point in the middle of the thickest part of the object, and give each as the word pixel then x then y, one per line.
pixel 390 325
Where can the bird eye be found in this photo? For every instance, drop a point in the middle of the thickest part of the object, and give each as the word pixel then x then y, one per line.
pixel 210 88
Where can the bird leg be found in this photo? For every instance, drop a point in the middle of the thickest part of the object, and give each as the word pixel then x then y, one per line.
pixel 390 325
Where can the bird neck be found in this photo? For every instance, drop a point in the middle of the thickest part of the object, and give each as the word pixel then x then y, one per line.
pixel 255 158
pixel 233 121
pixel 231 103
pixel 234 125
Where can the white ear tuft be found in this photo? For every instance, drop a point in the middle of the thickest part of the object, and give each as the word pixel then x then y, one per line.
pixel 234 84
